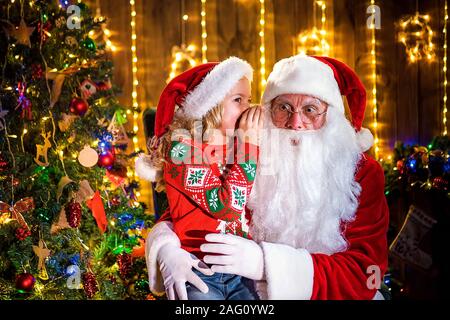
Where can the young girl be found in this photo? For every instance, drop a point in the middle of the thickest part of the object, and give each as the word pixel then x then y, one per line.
pixel 207 173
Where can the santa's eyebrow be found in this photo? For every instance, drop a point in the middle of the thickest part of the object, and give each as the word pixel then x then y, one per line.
pixel 313 99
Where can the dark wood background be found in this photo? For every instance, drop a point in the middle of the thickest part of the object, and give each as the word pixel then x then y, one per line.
pixel 410 95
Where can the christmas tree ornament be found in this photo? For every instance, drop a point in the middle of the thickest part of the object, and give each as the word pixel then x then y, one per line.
pixel 117 175
pixel 42 253
pixel 36 71
pixel 73 212
pixel 44 30
pixel 89 284
pixel 106 159
pixel 150 297
pixel 21 33
pixel 60 22
pixel 61 223
pixel 23 102
pixel 63 182
pixel 3 114
pixel 84 192
pixel 88 88
pixel 119 135
pixel 66 121
pixel 78 106
pixel 440 184
pixel 3 164
pixel 44 215
pixel 125 263
pixel 88 157
pixel 15 212
pixel 42 149
pixel 25 282
pixel 406 245
pixel 74 276
pixel 115 201
pixel 104 85
pixel 89 44
pixel 98 211
pixel 71 41
pixel 58 81
pixel 22 233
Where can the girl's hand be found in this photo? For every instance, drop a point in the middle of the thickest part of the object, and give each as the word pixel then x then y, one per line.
pixel 250 125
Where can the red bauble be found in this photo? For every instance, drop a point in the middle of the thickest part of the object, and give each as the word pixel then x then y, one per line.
pixel 78 106
pixel 73 213
pixel 25 282
pixel 106 159
pixel 89 284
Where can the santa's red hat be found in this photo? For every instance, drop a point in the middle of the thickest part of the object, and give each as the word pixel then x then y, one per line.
pixel 195 91
pixel 326 79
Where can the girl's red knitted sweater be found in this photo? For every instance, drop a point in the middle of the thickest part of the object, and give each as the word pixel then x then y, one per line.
pixel 206 196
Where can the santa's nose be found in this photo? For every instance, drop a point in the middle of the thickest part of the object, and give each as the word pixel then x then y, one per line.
pixel 294 122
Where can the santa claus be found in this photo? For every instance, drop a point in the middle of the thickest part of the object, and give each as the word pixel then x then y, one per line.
pixel 319 214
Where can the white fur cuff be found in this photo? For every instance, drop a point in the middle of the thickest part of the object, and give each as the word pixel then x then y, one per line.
pixel 161 234
pixel 289 272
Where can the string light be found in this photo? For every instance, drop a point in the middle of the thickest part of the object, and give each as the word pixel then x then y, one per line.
pixel 182 55
pixel 444 69
pixel 417 37
pixel 373 54
pixel 105 34
pixel 262 48
pixel 314 41
pixel 135 83
pixel 204 33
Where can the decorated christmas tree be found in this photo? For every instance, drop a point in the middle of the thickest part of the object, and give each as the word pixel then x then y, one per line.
pixel 71 226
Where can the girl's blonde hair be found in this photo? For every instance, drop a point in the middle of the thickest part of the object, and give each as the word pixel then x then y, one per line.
pixel 212 120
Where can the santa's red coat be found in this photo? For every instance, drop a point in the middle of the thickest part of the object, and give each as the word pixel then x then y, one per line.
pixel 294 273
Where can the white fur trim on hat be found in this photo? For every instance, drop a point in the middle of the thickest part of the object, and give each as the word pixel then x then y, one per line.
pixel 215 86
pixel 303 75
pixel 145 169
pixel 161 234
pixel 365 139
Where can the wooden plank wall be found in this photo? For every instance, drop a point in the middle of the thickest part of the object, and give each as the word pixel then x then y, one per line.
pixel 410 95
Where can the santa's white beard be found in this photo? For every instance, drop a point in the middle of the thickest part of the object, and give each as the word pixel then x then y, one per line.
pixel 302 193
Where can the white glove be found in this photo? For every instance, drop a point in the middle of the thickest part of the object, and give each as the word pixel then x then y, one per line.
pixel 176 269
pixel 238 255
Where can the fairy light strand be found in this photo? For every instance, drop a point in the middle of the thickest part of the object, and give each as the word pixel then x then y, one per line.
pixel 134 94
pixel 262 48
pixel 444 69
pixel 204 32
pixel 374 87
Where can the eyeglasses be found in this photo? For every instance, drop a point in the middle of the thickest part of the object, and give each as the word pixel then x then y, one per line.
pixel 282 111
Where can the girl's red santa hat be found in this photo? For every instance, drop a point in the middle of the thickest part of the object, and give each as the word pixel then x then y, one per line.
pixel 196 92
pixel 326 79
